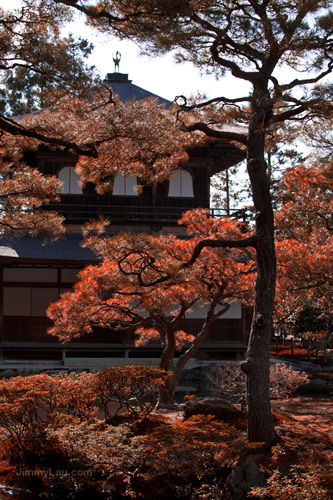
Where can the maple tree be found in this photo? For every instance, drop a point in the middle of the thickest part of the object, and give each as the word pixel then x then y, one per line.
pixel 251 40
pixel 307 205
pixel 304 242
pixel 143 284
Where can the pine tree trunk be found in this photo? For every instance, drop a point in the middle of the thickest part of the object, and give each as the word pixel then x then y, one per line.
pixel 256 367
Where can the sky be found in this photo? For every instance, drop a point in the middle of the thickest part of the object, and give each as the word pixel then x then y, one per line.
pixel 160 75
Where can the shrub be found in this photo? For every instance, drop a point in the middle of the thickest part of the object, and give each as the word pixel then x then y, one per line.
pixel 230 381
pixel 172 460
pixel 192 448
pixel 29 404
pixel 297 487
pixel 102 448
pixel 284 381
pixel 134 388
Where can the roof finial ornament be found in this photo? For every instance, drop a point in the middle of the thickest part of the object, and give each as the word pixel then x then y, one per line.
pixel 116 60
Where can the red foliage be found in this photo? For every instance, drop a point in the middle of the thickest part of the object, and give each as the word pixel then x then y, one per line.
pixel 144 284
pixel 134 388
pixel 30 403
pixel 305 242
pixel 22 186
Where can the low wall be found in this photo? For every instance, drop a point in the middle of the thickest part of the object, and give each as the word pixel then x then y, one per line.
pixel 97 363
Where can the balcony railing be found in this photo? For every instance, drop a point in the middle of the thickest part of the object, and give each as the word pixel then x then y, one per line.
pixel 81 208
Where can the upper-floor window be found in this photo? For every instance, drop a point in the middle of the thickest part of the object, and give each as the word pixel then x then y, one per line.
pixel 181 184
pixel 70 180
pixel 124 185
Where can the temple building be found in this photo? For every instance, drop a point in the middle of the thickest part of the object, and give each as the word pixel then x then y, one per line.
pixel 33 275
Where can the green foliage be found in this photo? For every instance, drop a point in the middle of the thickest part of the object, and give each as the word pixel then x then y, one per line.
pixel 25 90
pixel 311 319
pixel 38 64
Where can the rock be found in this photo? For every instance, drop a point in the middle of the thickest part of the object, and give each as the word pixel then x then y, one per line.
pixel 152 487
pixel 318 385
pixel 8 373
pixel 55 371
pixel 116 482
pixel 243 478
pixel 220 408
pixel 303 366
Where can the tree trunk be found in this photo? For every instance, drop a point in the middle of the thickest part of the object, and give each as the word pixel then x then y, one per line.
pixel 166 392
pixel 256 367
pixel 166 397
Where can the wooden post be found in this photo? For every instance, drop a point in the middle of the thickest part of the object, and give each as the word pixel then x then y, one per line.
pixel 292 346
pixel 1 312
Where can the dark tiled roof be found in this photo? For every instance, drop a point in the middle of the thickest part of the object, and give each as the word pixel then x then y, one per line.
pixel 127 91
pixel 67 248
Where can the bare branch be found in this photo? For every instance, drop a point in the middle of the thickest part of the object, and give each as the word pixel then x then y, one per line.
pixel 14 128
pixel 249 76
pixel 225 100
pixel 221 134
pixel 307 81
pixel 251 241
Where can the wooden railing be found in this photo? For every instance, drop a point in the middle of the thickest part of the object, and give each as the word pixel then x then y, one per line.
pixel 83 208
pixel 22 352
pixel 301 349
